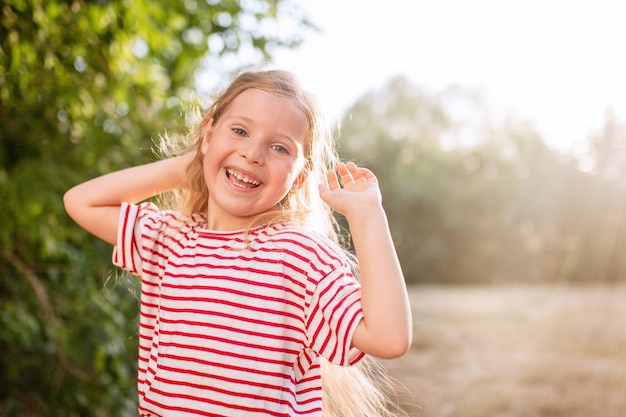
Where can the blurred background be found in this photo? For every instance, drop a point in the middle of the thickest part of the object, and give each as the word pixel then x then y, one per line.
pixel 497 130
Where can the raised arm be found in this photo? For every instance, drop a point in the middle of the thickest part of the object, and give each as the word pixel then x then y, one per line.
pixel 95 204
pixel 386 329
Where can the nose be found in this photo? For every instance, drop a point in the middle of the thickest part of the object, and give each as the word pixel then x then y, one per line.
pixel 251 151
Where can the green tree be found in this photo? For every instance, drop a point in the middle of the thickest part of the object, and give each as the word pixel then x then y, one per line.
pixel 84 87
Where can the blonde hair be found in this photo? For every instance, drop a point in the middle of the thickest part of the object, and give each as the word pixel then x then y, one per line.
pixel 301 206
pixel 354 391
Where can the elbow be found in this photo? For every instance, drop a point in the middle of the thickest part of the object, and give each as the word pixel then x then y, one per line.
pixel 399 344
pixel 392 347
pixel 404 347
pixel 396 349
pixel 75 205
pixel 69 202
pixel 384 341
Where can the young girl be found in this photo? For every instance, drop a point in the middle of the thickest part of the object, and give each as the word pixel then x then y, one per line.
pixel 244 289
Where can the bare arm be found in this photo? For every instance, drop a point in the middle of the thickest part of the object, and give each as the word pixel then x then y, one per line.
pixel 95 204
pixel 386 329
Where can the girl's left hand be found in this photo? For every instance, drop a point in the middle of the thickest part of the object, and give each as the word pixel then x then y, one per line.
pixel 358 189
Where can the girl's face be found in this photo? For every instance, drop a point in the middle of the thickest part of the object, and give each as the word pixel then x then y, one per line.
pixel 253 156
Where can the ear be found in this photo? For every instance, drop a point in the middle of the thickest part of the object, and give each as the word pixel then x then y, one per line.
pixel 207 134
pixel 303 175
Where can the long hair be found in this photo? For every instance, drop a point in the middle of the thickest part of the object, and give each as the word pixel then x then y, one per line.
pixel 347 392
pixel 301 206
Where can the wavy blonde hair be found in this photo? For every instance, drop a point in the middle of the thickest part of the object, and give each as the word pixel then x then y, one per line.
pixel 302 205
pixel 348 392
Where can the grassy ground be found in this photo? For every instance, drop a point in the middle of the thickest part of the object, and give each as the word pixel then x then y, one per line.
pixel 515 351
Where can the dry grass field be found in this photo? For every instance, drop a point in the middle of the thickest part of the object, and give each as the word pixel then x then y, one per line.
pixel 515 351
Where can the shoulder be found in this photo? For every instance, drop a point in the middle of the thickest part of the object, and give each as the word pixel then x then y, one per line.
pixel 314 246
pixel 158 224
pixel 297 235
pixel 149 211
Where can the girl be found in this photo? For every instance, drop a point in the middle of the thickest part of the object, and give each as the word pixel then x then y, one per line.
pixel 244 288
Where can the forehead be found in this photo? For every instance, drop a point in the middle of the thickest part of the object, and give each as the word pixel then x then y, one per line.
pixel 254 98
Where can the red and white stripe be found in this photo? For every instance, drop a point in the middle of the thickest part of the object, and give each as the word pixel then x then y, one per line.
pixel 233 324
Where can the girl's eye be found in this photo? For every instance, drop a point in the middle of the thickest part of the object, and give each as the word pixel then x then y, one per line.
pixel 239 131
pixel 280 149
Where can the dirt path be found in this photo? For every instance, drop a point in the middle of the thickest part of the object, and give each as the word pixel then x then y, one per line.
pixel 516 351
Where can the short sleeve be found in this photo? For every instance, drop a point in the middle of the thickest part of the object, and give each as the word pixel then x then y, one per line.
pixel 137 234
pixel 335 313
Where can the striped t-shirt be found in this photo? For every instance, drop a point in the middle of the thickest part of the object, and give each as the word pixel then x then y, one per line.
pixel 232 323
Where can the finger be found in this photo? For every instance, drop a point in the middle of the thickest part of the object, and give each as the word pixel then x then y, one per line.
pixel 359 173
pixel 333 181
pixel 352 167
pixel 344 173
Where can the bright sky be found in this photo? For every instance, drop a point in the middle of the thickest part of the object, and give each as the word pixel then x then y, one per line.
pixel 559 64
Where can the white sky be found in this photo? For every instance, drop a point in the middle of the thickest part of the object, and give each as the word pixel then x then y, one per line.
pixel 559 64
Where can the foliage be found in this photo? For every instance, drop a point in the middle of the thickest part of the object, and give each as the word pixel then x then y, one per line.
pixel 84 86
pixel 502 207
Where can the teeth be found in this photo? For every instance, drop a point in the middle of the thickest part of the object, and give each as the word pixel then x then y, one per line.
pixel 241 177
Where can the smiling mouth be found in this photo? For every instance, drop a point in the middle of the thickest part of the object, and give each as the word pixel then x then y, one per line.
pixel 241 180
